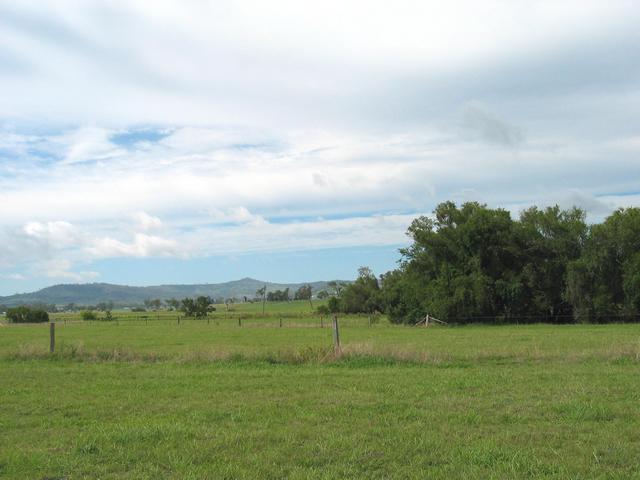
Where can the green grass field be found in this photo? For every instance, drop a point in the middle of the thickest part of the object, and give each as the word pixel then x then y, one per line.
pixel 157 399
pixel 297 309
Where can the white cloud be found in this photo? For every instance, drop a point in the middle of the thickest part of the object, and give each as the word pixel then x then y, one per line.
pixel 142 246
pixel 60 269
pixel 269 116
pixel 249 63
pixel 88 144
pixel 13 276
pixel 488 127
pixel 57 234
pixel 300 235
pixel 235 215
pixel 146 222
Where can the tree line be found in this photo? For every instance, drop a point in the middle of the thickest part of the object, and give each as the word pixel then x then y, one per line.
pixel 476 264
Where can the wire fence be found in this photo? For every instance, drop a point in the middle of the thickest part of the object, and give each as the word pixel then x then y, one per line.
pixel 240 320
pixel 558 318
pixel 312 319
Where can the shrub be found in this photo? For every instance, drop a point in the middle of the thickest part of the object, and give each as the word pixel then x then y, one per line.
pixel 38 316
pixel 197 307
pixel 323 310
pixel 88 315
pixel 333 304
pixel 24 314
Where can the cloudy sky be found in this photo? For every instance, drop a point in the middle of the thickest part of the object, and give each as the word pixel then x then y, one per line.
pixel 146 142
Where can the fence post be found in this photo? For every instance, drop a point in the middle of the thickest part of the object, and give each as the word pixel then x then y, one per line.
pixel 321 322
pixel 280 322
pixel 178 319
pixel 52 337
pixel 369 320
pixel 239 321
pixel 336 336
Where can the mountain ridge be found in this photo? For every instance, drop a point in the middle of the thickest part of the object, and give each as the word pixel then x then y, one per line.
pixel 128 295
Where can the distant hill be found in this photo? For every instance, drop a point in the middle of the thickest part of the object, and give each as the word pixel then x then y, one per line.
pixel 122 295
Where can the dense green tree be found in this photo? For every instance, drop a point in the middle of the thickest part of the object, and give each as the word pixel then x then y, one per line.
pixel 363 295
pixel 279 296
pixel 197 307
pixel 549 241
pixel 473 263
pixel 18 314
pixel 462 265
pixel 88 315
pixel 24 314
pixel 603 284
pixel 333 304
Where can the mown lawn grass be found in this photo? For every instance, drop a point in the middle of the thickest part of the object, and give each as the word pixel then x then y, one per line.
pixel 471 402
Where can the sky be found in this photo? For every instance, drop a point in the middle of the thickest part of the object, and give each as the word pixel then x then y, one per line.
pixel 150 142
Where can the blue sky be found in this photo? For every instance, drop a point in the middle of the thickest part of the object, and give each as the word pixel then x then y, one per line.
pixel 157 142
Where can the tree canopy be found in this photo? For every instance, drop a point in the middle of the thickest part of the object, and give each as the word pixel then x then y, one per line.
pixel 471 263
pixel 197 307
pixel 25 314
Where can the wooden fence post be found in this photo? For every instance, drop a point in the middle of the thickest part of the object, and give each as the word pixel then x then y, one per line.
pixel 369 320
pixel 321 322
pixel 52 337
pixel 239 321
pixel 336 336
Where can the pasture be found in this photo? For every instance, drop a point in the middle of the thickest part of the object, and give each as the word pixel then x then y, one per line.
pixel 151 398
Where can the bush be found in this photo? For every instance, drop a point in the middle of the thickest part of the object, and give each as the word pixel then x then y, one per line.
pixel 24 314
pixel 333 304
pixel 197 307
pixel 88 315
pixel 323 310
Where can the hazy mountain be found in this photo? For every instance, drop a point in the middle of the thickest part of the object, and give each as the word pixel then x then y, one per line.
pixel 121 295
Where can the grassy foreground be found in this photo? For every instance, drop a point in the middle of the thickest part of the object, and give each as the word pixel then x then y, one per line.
pixel 220 401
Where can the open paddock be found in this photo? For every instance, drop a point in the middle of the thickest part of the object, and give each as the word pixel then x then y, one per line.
pixel 160 399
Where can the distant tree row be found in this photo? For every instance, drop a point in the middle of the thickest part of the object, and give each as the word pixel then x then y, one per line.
pixel 279 296
pixel 476 264
pixel 24 314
